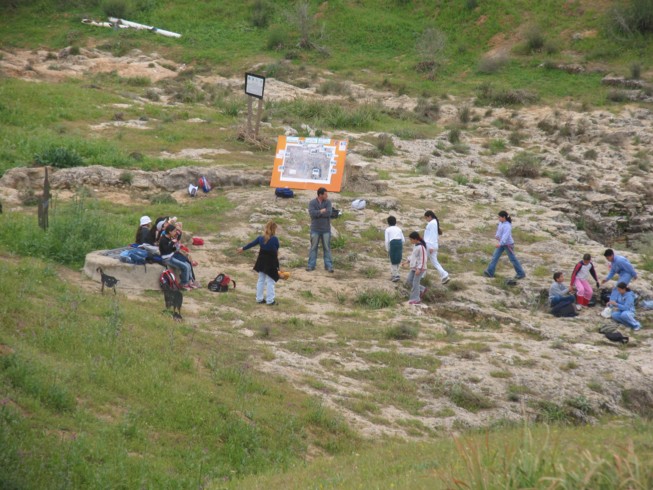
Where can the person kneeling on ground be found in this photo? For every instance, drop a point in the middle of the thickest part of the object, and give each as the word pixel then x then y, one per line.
pixel 561 297
pixel 625 307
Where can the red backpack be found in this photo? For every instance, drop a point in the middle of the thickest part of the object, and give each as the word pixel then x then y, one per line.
pixel 168 281
pixel 221 283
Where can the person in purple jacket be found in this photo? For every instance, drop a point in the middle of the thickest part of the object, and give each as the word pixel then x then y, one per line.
pixel 620 267
pixel 505 243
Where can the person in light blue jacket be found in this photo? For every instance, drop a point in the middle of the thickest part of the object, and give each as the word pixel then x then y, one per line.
pixel 624 307
pixel 505 243
pixel 620 267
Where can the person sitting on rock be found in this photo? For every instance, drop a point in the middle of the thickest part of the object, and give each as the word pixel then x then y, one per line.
pixel 143 232
pixel 623 307
pixel 559 294
pixel 579 280
pixel 168 245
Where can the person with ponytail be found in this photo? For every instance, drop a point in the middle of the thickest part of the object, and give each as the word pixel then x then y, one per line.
pixel 580 280
pixel 418 260
pixel 505 243
pixel 431 235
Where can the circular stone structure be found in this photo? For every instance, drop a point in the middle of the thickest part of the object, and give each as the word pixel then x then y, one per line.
pixel 130 276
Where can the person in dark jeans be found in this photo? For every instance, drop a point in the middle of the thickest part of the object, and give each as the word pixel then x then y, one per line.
pixel 319 210
pixel 559 294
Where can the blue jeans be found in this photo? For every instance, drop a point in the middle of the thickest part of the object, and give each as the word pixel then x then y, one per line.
pixel 263 280
pixel 325 238
pixel 562 300
pixel 513 260
pixel 625 277
pixel 626 318
pixel 184 268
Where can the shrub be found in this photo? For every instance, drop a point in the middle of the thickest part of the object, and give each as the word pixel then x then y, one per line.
pixel 276 40
pixel 464 397
pixel 116 8
pixel 333 87
pixel 617 95
pixel 59 157
pixel 634 17
pixel 426 110
pixel 430 50
pixel 261 13
pixel 385 145
pixel 403 331
pixel 486 95
pixel 590 154
pixel 524 165
pixel 491 64
pixel 162 198
pixel 635 71
pixel 126 178
pixel 454 136
pixel 464 114
pixel 375 299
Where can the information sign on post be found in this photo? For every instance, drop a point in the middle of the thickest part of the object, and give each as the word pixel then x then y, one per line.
pixel 254 86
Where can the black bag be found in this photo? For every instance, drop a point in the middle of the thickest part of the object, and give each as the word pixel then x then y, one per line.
pixel 605 296
pixel 221 283
pixel 564 311
pixel 335 213
pixel 616 337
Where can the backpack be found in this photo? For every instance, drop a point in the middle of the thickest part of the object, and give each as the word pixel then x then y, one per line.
pixel 605 296
pixel 221 283
pixel 168 281
pixel 564 311
pixel 284 192
pixel 134 256
pixel 192 190
pixel 335 213
pixel 204 184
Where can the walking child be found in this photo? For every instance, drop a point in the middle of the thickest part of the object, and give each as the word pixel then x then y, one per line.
pixel 394 244
pixel 431 237
pixel 418 260
pixel 505 243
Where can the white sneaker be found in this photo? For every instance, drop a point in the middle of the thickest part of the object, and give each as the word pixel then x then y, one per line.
pixel 579 307
pixel 445 279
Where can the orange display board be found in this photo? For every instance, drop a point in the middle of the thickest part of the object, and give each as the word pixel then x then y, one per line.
pixel 309 163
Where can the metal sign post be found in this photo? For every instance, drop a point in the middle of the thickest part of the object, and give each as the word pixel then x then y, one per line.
pixel 254 87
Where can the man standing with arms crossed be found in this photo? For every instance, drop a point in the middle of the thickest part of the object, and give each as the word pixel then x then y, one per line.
pixel 320 211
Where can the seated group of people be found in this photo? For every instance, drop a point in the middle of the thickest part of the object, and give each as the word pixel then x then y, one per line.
pixel 580 292
pixel 163 237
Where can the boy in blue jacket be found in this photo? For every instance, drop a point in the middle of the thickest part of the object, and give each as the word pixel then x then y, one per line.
pixel 625 307
pixel 621 267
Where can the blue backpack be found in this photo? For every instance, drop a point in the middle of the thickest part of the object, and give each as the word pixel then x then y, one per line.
pixel 284 192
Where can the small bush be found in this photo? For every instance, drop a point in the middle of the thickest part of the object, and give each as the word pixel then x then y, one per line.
pixel 403 331
pixel 261 13
pixel 535 40
pixel 460 179
pixel 385 145
pixel 276 40
pixel 486 95
pixel 116 8
pixel 464 397
pixel 333 87
pixel 524 165
pixel 617 95
pixel 635 71
pixel 631 18
pixel 464 114
pixel 59 157
pixel 516 138
pixel 375 299
pixel 454 136
pixel 426 110
pixel 491 64
pixel 163 198
pixel 126 178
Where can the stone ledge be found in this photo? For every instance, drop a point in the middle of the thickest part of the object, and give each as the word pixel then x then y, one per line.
pixel 129 276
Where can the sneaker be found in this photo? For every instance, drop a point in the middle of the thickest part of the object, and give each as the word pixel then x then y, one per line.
pixel 260 302
pixel 272 304
pixel 637 328
pixel 517 278
pixel 487 274
pixel 395 279
pixel 414 302
pixel 446 279
pixel 308 269
pixel 330 270
pixel 186 287
pixel 579 307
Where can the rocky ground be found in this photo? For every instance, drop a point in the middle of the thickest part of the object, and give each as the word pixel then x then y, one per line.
pixel 485 353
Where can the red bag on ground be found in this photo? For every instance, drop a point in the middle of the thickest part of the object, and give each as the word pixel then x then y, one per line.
pixel 197 241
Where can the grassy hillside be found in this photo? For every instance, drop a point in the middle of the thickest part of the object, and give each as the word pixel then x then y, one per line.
pixel 106 392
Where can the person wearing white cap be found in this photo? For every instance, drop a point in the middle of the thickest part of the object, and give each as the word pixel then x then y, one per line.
pixel 143 232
